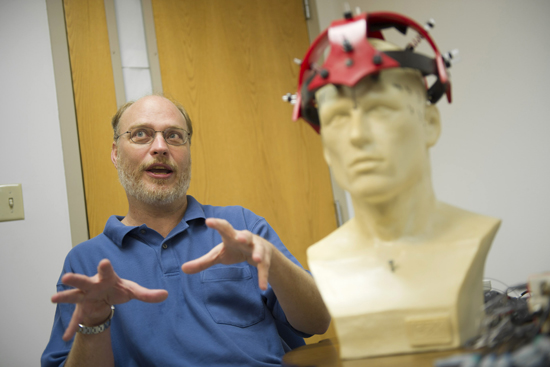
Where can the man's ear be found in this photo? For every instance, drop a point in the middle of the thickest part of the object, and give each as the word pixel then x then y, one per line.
pixel 432 125
pixel 114 153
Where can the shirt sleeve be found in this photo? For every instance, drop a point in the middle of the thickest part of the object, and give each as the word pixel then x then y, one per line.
pixel 57 350
pixel 263 229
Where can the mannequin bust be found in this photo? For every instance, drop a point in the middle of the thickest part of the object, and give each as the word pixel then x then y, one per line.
pixel 405 274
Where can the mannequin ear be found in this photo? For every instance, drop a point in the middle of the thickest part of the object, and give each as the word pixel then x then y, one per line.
pixel 326 155
pixel 114 154
pixel 325 150
pixel 432 125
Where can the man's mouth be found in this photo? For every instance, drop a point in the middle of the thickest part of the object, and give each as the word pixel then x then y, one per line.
pixel 159 170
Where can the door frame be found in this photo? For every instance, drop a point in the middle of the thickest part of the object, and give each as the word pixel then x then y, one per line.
pixel 78 219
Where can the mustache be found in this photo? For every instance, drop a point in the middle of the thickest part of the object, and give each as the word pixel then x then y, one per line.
pixel 165 161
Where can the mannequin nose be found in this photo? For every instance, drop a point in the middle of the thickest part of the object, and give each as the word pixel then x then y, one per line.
pixel 360 127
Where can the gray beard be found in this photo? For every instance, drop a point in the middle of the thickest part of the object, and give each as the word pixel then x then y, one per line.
pixel 159 195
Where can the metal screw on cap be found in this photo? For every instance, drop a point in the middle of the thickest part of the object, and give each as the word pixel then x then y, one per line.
pixel 429 24
pixel 450 57
pixel 347 46
pixel 290 98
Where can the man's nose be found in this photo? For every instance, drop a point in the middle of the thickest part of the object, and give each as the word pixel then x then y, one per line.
pixel 159 145
pixel 360 132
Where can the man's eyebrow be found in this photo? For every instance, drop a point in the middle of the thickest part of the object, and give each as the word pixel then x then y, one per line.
pixel 143 124
pixel 148 124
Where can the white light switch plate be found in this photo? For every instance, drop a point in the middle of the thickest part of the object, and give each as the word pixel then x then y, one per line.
pixel 11 202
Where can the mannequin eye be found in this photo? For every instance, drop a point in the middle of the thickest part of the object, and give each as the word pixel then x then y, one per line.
pixel 335 116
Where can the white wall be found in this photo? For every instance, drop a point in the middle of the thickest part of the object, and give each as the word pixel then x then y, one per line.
pixel 493 155
pixel 32 250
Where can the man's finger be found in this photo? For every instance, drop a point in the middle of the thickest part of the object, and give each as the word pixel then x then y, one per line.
pixel 203 262
pixel 146 295
pixel 153 296
pixel 245 237
pixel 262 256
pixel 79 281
pixel 105 270
pixel 69 296
pixel 263 272
pixel 73 326
pixel 225 229
pixel 244 242
pixel 240 240
pixel 258 251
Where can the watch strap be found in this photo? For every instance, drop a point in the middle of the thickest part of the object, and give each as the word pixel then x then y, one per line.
pixel 99 328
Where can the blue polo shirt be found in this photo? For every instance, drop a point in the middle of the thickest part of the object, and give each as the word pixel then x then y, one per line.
pixel 218 317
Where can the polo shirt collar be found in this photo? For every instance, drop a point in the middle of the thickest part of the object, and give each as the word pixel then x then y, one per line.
pixel 115 230
pixel 194 210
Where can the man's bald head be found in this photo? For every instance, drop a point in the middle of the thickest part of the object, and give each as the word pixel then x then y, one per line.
pixel 118 115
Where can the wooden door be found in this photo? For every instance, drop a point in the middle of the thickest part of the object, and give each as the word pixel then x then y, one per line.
pixel 228 63
pixel 95 104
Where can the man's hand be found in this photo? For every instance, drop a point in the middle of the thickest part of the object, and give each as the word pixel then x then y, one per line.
pixel 94 296
pixel 236 247
pixel 293 286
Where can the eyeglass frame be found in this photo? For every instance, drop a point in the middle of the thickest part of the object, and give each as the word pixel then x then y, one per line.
pixel 187 134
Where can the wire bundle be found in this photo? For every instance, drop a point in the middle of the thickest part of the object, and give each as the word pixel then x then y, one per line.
pixel 510 334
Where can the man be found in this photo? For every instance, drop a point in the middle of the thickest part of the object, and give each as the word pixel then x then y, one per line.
pixel 405 274
pixel 241 299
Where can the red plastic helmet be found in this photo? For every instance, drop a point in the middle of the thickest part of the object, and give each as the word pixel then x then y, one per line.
pixel 352 57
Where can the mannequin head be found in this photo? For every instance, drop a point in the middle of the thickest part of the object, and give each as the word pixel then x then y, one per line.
pixel 371 104
pixel 376 134
pixel 345 53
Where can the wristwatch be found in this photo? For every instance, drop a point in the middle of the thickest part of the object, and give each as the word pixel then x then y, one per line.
pixel 99 328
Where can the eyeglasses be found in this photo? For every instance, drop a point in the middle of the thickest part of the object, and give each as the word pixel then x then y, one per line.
pixel 146 135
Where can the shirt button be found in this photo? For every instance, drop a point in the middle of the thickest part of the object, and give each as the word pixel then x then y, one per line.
pixel 164 246
pixel 143 231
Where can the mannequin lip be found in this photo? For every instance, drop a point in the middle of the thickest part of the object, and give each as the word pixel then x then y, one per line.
pixel 365 159
pixel 365 163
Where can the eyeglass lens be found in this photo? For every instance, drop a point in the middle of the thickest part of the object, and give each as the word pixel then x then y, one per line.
pixel 145 135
